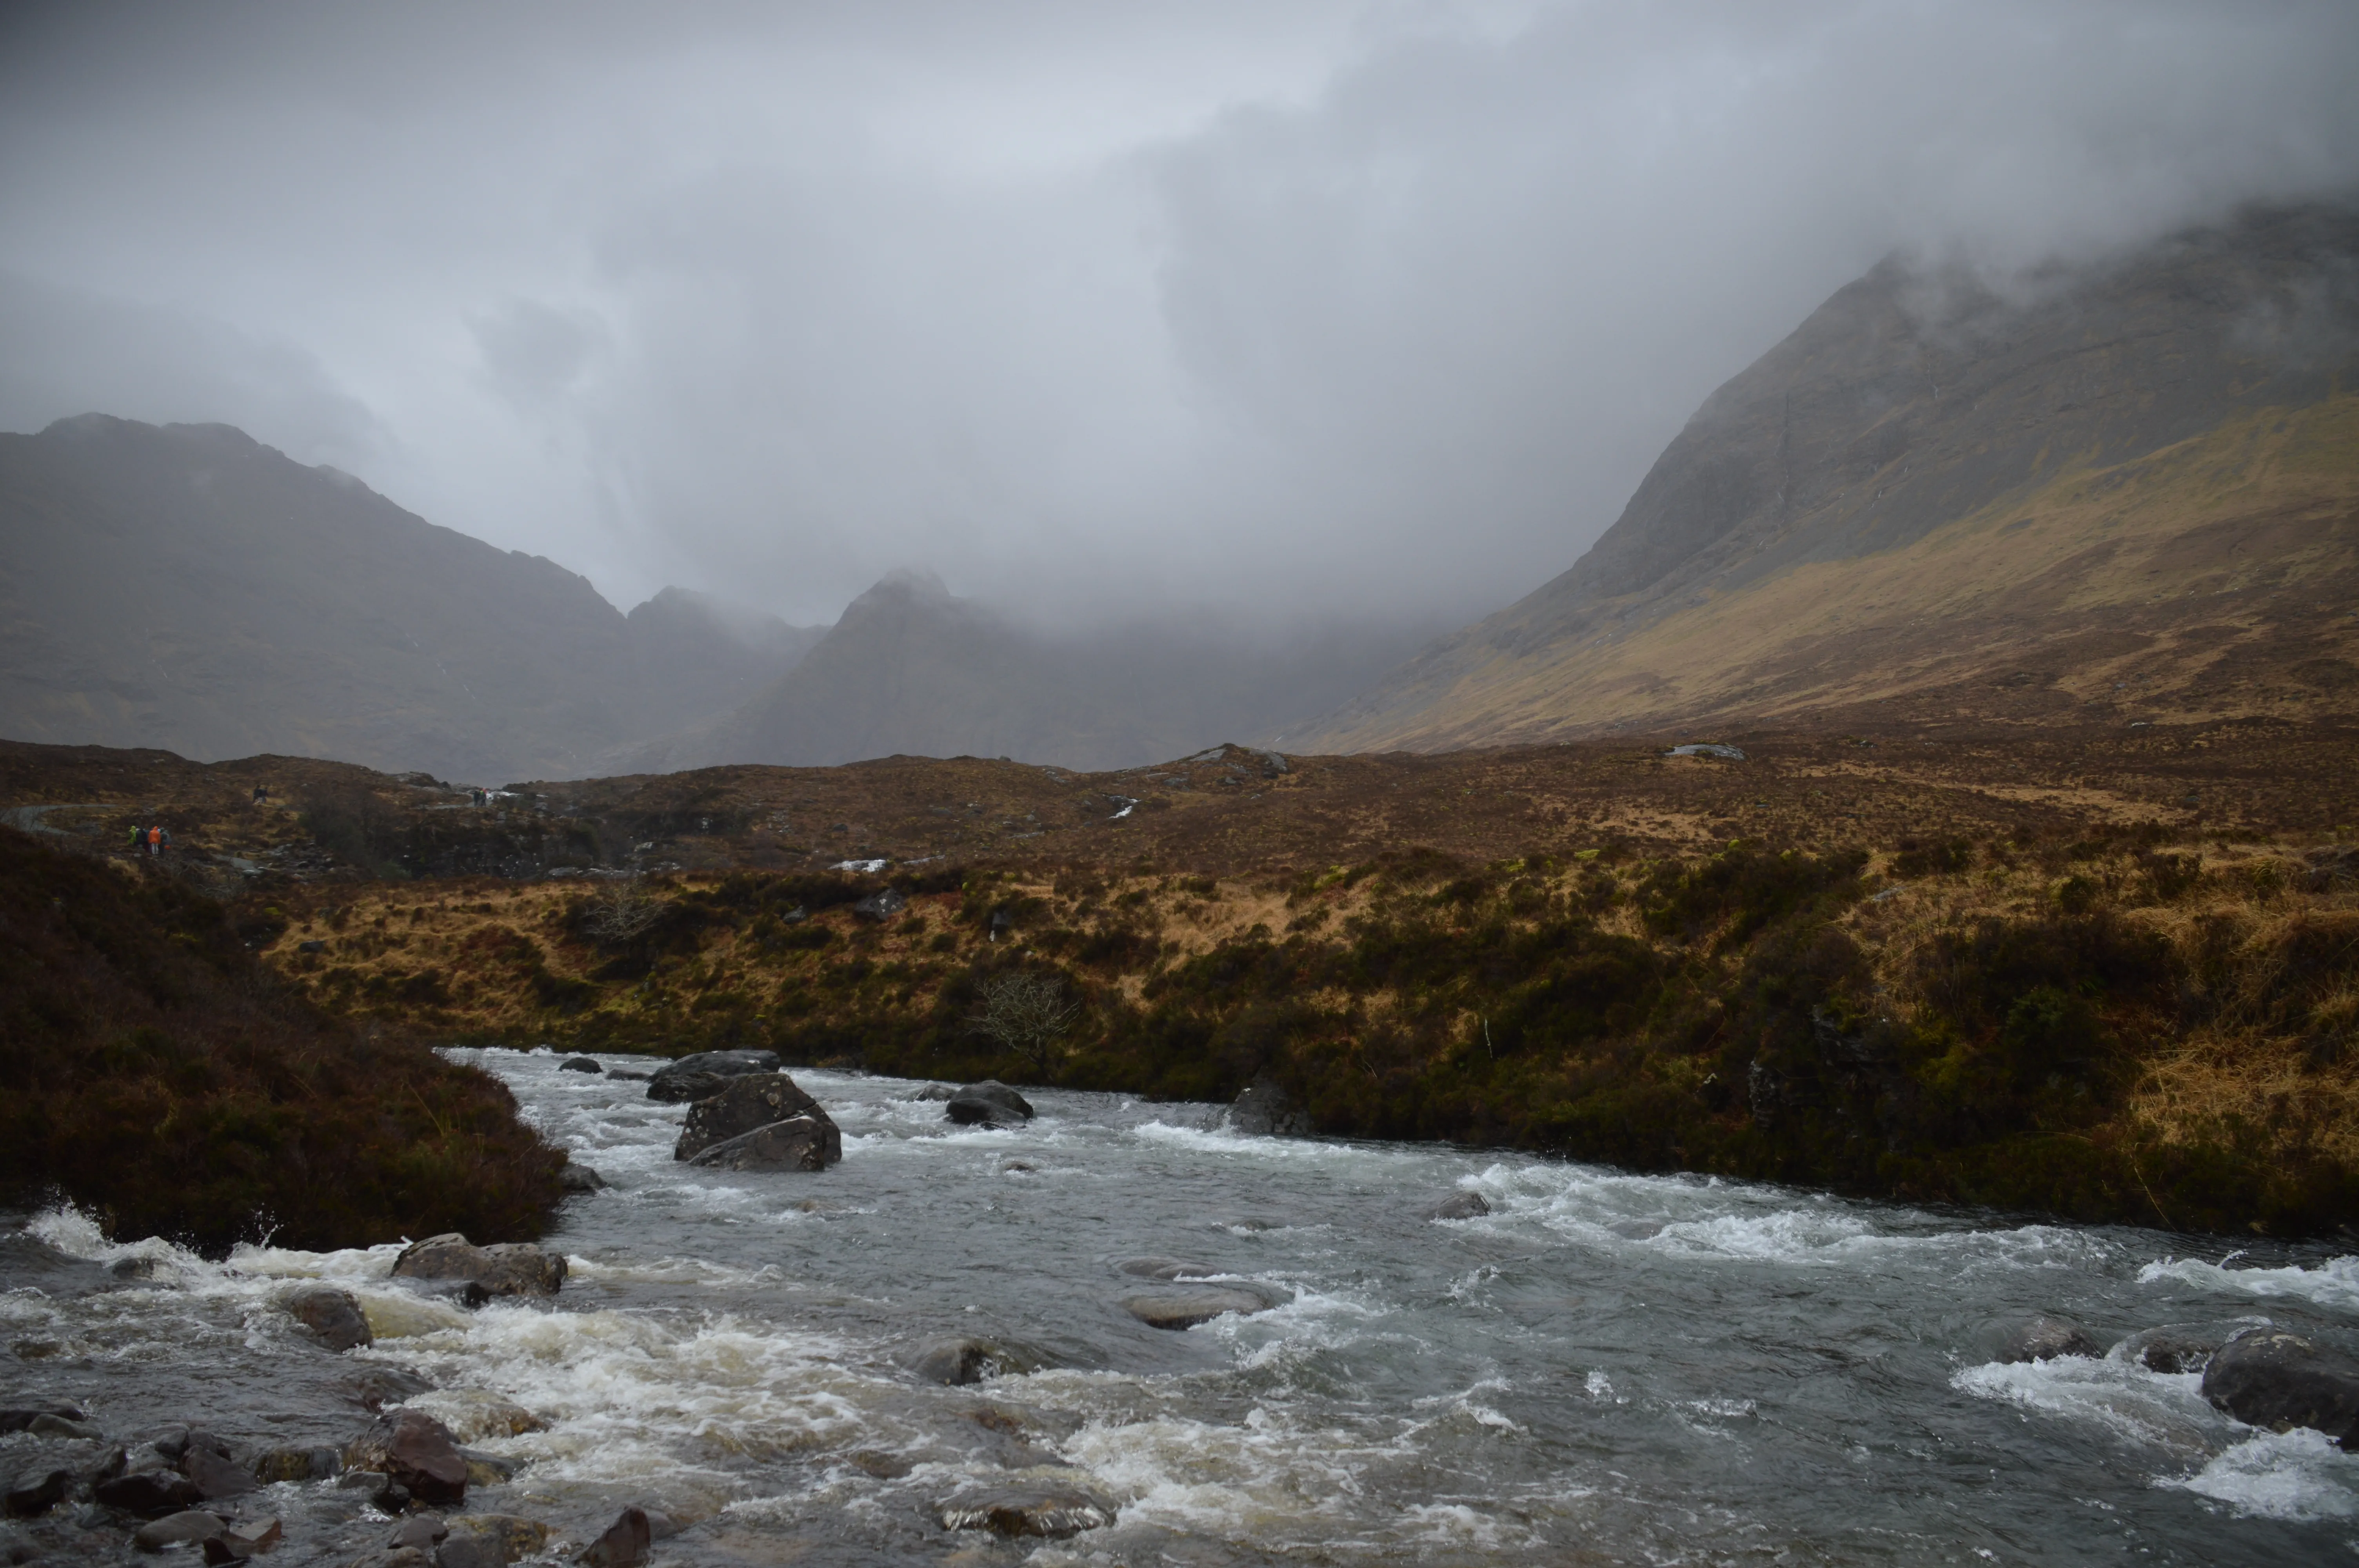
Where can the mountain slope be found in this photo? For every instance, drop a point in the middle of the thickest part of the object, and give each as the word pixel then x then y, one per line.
pixel 912 670
pixel 2133 492
pixel 187 588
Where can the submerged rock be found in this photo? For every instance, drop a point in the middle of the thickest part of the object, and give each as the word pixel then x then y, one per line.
pixel 505 1269
pixel 1053 1513
pixel 706 1074
pixel 756 1099
pixel 1185 1306
pixel 2045 1338
pixel 578 1179
pixel 798 1143
pixel 1167 1269
pixel 955 1360
pixel 1263 1106
pixel 333 1316
pixel 989 1103
pixel 1460 1205
pixel 2171 1349
pixel 2269 1378
pixel 414 1451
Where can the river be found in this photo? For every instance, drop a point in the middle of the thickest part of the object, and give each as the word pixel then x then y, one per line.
pixel 1605 1368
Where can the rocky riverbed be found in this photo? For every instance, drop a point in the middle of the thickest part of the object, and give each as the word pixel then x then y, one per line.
pixel 1120 1332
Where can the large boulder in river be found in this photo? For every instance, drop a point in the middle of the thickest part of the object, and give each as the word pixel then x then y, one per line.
pixel 707 1073
pixel 1184 1306
pixel 2045 1338
pixel 2170 1348
pixel 412 1449
pixel 989 1103
pixel 756 1099
pixel 2269 1378
pixel 507 1268
pixel 1051 1512
pixel 1263 1106
pixel 1460 1205
pixel 798 1143
pixel 956 1360
pixel 332 1315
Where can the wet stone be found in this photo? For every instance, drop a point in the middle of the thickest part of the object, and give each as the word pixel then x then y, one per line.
pixel 177 1529
pixel 624 1543
pixel 150 1494
pixel 1185 1306
pixel 1460 1205
pixel 578 1179
pixel 955 1360
pixel 2268 1377
pixel 751 1101
pixel 579 1064
pixel 2170 1350
pixel 333 1316
pixel 1167 1269
pixel 707 1073
pixel 2045 1338
pixel 1052 1513
pixel 507 1269
pixel 414 1452
pixel 492 1541
pixel 990 1103
pixel 37 1491
pixel 215 1475
pixel 799 1143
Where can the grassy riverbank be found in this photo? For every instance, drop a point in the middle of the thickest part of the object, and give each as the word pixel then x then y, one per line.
pixel 155 1075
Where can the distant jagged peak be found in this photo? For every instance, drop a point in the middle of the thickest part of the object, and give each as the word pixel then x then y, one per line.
pixel 746 624
pixel 906 585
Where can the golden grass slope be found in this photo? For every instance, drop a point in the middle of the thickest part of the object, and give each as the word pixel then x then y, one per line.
pixel 2212 577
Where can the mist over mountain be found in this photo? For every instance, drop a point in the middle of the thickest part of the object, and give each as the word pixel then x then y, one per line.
pixel 2130 489
pixel 912 669
pixel 186 588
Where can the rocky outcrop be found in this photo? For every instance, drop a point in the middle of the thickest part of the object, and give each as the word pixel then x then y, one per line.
pixel 332 1315
pixel 706 1074
pixel 798 1143
pixel 2045 1338
pixel 505 1269
pixel 1051 1512
pixel 756 1099
pixel 1264 1108
pixel 988 1104
pixel 2271 1379
pixel 414 1451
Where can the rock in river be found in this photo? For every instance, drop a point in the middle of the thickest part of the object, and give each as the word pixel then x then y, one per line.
pixel 578 1179
pixel 2268 1377
pixel 754 1100
pixel 707 1073
pixel 956 1360
pixel 331 1315
pixel 1051 1512
pixel 990 1103
pixel 411 1449
pixel 183 1529
pixel 1460 1205
pixel 1263 1106
pixel 1167 1269
pixel 2045 1338
pixel 625 1544
pixel 1185 1306
pixel 2171 1349
pixel 580 1064
pixel 507 1268
pixel 798 1143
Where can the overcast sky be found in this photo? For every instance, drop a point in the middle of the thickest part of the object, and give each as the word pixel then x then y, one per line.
pixel 1294 310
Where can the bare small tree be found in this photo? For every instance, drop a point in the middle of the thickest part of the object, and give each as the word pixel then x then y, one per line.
pixel 1029 1014
pixel 622 912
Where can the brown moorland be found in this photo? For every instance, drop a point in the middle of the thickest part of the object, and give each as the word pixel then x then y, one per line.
pixel 2110 972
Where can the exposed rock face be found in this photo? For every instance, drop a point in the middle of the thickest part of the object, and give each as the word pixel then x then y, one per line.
pixel 412 1450
pixel 1054 1513
pixel 507 1269
pixel 1263 1106
pixel 333 1314
pixel 990 1103
pixel 706 1074
pixel 798 1143
pixel 2045 1338
pixel 1460 1205
pixel 2271 1379
pixel 744 1103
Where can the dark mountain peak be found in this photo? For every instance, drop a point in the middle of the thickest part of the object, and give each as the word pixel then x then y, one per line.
pixel 913 585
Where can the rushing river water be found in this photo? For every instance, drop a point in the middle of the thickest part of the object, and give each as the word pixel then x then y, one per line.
pixel 1606 1368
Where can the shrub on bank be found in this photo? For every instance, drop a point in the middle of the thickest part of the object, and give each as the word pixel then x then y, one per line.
pixel 155 1075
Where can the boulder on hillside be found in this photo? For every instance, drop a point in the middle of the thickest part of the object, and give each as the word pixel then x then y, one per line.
pixel 2269 1378
pixel 756 1099
pixel 414 1451
pixel 333 1316
pixel 2045 1338
pixel 706 1074
pixel 881 905
pixel 505 1269
pixel 1263 1106
pixel 798 1143
pixel 989 1103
